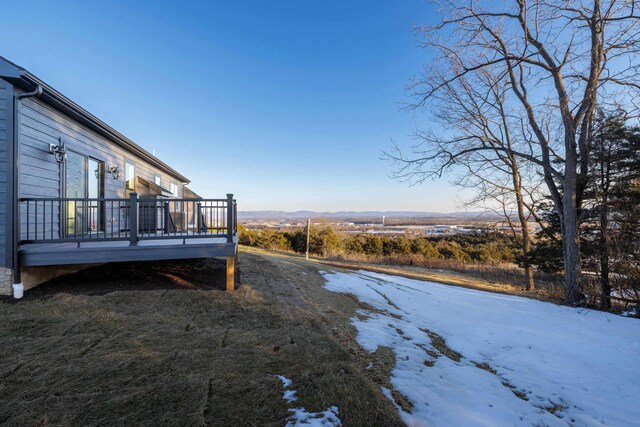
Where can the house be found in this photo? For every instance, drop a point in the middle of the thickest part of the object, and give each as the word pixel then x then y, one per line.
pixel 75 191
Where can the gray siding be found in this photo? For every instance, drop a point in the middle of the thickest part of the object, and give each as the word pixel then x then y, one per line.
pixel 40 175
pixel 6 91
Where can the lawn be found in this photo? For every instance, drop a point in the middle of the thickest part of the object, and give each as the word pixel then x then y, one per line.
pixel 162 344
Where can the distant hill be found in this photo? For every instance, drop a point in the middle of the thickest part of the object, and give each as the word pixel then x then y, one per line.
pixel 265 215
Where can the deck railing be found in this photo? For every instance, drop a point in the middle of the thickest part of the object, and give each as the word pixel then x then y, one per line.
pixel 56 220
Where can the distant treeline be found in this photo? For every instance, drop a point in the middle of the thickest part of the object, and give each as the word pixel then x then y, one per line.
pixel 491 247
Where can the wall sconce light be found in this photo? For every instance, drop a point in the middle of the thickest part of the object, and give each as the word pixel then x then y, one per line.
pixel 114 171
pixel 59 151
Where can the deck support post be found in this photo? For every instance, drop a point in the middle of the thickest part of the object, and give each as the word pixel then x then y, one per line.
pixel 133 219
pixel 231 272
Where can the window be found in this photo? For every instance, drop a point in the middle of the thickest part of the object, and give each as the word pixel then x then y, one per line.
pixel 84 179
pixel 157 179
pixel 174 191
pixel 129 175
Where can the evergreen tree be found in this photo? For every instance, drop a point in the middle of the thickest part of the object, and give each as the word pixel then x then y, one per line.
pixel 608 219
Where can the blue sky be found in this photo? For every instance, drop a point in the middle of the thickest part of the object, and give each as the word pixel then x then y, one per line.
pixel 287 104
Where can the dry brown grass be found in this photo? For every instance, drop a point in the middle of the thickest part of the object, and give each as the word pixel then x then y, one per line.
pixel 496 273
pixel 500 278
pixel 454 278
pixel 440 344
pixel 159 344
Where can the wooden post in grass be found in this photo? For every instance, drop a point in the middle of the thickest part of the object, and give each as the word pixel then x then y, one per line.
pixel 231 273
pixel 232 264
pixel 306 254
pixel 233 259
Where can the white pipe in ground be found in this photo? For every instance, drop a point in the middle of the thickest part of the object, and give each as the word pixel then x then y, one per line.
pixel 18 290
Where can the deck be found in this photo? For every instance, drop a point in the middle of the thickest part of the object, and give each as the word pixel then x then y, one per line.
pixel 64 231
pixel 41 254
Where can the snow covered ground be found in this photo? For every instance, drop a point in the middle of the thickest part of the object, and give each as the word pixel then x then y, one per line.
pixel 506 361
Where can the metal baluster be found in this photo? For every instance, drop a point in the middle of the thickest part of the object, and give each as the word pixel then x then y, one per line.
pixel 35 222
pixel 198 218
pixel 28 204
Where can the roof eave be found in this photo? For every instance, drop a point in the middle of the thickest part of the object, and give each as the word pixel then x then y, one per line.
pixel 25 80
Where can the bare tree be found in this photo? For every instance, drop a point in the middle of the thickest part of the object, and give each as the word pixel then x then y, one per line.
pixel 558 59
pixel 476 106
pixel 506 194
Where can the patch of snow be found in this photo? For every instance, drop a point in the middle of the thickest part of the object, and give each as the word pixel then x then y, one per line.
pixel 301 417
pixel 288 395
pixel 522 361
pixel 286 382
pixel 630 313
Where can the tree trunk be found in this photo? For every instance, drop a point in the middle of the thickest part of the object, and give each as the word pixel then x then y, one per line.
pixel 605 286
pixel 524 226
pixel 528 271
pixel 571 248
